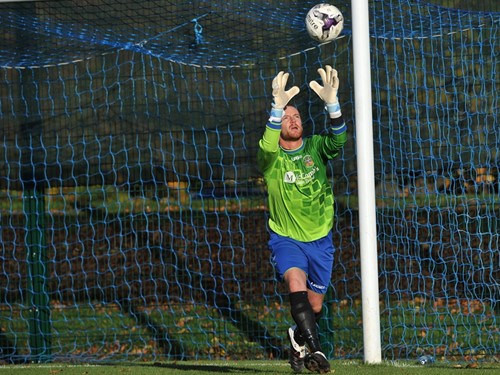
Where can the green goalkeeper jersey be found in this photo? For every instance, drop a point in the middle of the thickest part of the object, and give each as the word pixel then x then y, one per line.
pixel 300 194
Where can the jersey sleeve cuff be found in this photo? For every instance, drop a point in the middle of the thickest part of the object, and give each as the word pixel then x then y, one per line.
pixel 337 125
pixel 273 124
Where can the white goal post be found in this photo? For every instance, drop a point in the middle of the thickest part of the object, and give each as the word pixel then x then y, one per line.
pixel 366 181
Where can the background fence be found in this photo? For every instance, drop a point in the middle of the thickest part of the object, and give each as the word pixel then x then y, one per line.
pixel 133 218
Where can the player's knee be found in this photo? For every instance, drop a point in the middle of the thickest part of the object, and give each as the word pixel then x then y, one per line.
pixel 295 279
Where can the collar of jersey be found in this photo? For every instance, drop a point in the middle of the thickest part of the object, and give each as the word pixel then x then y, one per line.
pixel 295 149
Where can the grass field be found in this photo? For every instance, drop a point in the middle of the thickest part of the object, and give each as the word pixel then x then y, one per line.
pixel 340 367
pixel 439 328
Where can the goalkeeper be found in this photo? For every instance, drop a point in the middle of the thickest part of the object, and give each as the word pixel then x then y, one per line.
pixel 301 209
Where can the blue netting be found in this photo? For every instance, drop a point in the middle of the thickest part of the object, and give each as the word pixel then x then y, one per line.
pixel 133 217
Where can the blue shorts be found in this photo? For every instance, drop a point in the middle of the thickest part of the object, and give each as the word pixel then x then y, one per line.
pixel 314 258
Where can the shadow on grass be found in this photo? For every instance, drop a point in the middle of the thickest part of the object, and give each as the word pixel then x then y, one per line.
pixel 206 368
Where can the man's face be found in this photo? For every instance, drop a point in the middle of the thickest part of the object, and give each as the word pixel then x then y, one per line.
pixel 291 125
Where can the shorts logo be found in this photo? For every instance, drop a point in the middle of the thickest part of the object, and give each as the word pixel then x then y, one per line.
pixel 290 177
pixel 320 287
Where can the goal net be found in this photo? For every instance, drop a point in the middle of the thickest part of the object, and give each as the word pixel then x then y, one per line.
pixel 134 219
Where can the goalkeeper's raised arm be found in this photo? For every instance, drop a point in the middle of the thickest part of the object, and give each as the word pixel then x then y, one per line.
pixel 328 93
pixel 281 97
pixel 301 209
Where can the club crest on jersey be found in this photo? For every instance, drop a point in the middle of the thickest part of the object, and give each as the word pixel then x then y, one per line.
pixel 308 161
pixel 290 177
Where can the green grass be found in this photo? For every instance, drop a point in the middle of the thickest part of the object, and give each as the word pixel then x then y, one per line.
pixel 250 367
pixel 441 327
pixel 118 201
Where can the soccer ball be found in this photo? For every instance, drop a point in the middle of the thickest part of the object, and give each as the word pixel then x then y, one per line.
pixel 324 22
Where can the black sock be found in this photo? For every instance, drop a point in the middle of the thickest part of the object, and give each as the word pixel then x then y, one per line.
pixel 297 335
pixel 304 317
pixel 317 316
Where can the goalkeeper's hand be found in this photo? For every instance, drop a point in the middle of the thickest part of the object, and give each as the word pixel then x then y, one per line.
pixel 328 92
pixel 280 96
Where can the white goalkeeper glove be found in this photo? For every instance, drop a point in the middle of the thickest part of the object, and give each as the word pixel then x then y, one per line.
pixel 281 97
pixel 328 92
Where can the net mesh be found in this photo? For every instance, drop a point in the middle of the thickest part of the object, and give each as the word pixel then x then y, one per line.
pixel 133 217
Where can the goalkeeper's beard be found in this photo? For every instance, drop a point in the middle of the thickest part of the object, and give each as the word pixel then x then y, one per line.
pixel 292 133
